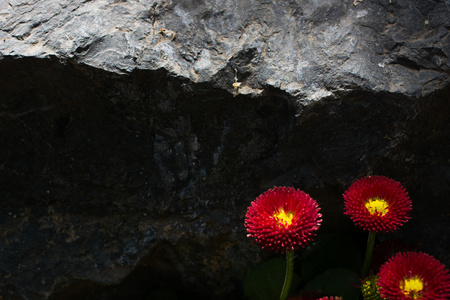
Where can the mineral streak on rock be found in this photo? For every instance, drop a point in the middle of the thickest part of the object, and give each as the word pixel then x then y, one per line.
pixel 135 133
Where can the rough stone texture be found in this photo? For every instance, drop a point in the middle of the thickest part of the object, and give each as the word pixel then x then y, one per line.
pixel 128 158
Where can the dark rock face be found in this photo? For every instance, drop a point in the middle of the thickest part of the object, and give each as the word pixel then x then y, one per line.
pixel 128 157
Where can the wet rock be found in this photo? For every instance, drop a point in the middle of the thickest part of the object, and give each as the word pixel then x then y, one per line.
pixel 129 158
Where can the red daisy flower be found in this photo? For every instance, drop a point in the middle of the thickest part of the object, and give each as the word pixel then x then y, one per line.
pixel 377 203
pixel 414 275
pixel 283 218
pixel 387 249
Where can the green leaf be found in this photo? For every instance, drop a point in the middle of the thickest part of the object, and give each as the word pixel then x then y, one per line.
pixel 330 251
pixel 335 282
pixel 265 280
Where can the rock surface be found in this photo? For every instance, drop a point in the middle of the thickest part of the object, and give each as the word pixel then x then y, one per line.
pixel 129 158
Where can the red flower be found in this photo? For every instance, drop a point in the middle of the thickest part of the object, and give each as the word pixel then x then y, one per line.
pixel 377 203
pixel 283 218
pixel 413 275
pixel 387 249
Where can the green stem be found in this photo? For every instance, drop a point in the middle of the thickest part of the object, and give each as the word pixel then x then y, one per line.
pixel 289 274
pixel 369 252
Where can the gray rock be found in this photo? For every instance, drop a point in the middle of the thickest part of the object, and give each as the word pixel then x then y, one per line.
pixel 129 158
pixel 310 50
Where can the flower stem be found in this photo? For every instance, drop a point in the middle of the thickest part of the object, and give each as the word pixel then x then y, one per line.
pixel 289 274
pixel 369 252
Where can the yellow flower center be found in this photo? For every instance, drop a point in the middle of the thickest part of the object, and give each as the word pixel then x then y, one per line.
pixel 369 288
pixel 283 218
pixel 412 287
pixel 377 205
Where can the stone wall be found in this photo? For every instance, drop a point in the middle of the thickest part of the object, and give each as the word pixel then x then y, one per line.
pixel 128 157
